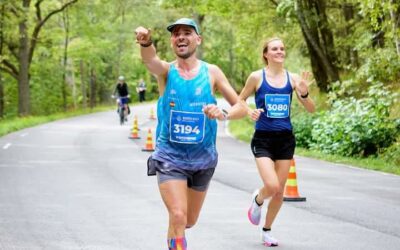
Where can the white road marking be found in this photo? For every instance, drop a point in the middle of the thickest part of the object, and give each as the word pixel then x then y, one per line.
pixel 24 134
pixel 7 146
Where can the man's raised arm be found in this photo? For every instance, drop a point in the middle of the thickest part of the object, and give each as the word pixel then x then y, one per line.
pixel 148 52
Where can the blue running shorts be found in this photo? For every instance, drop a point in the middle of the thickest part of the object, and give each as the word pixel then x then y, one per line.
pixel 196 179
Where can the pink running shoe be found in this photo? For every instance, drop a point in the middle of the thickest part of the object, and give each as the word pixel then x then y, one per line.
pixel 268 240
pixel 254 212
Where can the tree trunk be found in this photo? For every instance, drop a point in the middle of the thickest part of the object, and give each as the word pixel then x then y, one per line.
pixel 1 55
pixel 92 92
pixel 121 41
pixel 199 20
pixel 23 57
pixel 1 96
pixel 351 53
pixel 231 72
pixel 73 84
pixel 319 38
pixel 83 86
pixel 318 71
pixel 378 40
pixel 395 16
pixel 64 75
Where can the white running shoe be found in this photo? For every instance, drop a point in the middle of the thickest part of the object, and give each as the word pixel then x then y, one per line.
pixel 268 240
pixel 254 212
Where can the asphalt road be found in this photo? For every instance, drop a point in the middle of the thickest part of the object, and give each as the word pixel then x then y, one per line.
pixel 80 183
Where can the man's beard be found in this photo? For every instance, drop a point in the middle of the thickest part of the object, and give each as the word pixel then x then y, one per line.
pixel 187 55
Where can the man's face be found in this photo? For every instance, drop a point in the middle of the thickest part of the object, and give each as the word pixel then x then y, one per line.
pixel 184 41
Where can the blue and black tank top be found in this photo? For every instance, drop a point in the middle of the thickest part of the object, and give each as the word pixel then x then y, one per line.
pixel 186 138
pixel 276 104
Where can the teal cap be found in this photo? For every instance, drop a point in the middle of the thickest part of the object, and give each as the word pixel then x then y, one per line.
pixel 184 21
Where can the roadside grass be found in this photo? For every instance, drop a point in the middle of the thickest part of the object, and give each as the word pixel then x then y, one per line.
pixel 17 123
pixel 243 130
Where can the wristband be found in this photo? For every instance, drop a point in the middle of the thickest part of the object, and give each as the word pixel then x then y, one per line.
pixel 304 96
pixel 225 114
pixel 148 44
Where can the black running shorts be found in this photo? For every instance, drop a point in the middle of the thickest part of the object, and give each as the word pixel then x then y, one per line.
pixel 276 145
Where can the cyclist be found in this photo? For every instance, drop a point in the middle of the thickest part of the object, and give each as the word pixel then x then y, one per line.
pixel 121 89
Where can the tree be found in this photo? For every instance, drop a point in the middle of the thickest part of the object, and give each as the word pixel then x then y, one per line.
pixel 395 19
pixel 22 50
pixel 319 38
pixel 2 10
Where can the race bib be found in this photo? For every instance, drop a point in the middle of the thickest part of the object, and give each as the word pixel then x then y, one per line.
pixel 277 105
pixel 187 127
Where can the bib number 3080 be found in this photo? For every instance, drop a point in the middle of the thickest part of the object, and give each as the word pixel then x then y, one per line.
pixel 277 105
pixel 187 127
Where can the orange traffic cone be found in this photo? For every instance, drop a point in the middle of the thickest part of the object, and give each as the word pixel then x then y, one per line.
pixel 134 134
pixel 152 117
pixel 149 142
pixel 291 192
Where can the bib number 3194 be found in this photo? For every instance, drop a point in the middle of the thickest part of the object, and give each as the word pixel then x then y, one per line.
pixel 187 127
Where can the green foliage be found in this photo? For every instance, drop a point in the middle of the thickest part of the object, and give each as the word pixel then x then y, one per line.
pixel 302 128
pixel 356 127
pixel 237 127
pixel 392 153
pixel 286 8
pixel 383 66
pixel 10 99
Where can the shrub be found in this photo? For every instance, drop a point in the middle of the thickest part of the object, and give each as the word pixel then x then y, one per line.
pixel 392 154
pixel 356 127
pixel 302 128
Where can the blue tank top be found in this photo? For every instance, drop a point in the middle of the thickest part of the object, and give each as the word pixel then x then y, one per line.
pixel 276 105
pixel 185 136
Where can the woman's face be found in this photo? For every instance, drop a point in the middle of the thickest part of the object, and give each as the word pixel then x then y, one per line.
pixel 275 52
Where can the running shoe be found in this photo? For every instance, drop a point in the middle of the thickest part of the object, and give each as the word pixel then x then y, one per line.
pixel 254 213
pixel 268 240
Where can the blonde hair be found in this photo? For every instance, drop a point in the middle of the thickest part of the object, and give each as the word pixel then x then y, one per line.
pixel 265 47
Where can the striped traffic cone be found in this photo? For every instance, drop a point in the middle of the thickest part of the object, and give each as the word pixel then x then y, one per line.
pixel 291 192
pixel 134 134
pixel 149 142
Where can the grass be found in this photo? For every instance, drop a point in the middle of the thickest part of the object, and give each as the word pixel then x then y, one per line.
pixel 14 124
pixel 243 130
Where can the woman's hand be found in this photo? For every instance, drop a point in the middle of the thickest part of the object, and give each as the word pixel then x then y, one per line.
pixel 255 114
pixel 303 83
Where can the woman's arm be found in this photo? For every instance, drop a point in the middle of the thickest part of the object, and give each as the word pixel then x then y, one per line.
pixel 301 84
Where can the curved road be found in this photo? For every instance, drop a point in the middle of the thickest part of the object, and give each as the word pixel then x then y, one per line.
pixel 80 183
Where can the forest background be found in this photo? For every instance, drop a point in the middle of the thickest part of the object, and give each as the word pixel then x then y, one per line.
pixel 58 56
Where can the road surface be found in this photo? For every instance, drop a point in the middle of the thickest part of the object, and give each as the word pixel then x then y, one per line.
pixel 80 183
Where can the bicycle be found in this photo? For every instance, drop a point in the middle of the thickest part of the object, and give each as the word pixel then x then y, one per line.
pixel 122 112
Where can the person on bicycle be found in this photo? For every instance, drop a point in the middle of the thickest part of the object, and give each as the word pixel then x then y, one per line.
pixel 121 89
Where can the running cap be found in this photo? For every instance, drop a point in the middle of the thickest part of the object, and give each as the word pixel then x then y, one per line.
pixel 184 21
pixel 121 78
